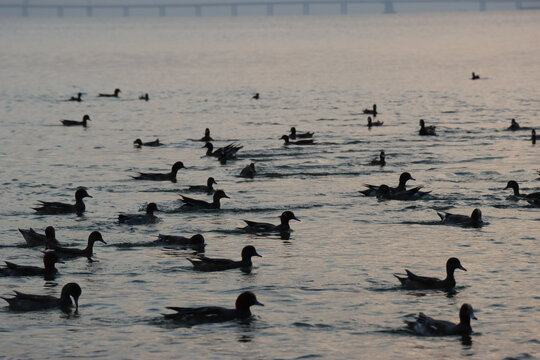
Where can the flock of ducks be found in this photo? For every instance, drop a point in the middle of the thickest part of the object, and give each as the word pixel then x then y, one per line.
pixel 56 253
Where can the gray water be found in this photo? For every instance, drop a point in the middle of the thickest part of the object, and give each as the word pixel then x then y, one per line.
pixel 328 290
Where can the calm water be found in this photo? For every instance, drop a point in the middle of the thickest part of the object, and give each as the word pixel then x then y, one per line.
pixel 329 290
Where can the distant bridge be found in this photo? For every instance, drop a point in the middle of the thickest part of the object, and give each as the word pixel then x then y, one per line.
pixel 304 5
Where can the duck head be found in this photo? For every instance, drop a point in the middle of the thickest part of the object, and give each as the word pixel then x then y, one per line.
pixel 286 216
pixel 512 184
pixel 422 123
pixel 138 142
pixel 71 290
pixel 95 236
pixel 220 194
pixel 248 252
pixel 150 208
pixel 286 138
pixel 177 166
pixel 116 92
pixel 404 177
pixel 207 132
pixel 50 258
pixel 293 131
pixel 476 216
pixel 210 181
pixel 453 264
pixel 81 194
pixel 197 239
pixel 369 121
pixel 466 313
pixel 50 233
pixel 245 300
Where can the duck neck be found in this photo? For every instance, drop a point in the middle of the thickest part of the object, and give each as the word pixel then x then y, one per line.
pixel 450 275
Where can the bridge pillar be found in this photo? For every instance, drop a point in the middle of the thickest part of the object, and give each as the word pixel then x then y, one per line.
pixel 162 11
pixel 89 11
pixel 343 8
pixel 234 10
pixel 125 11
pixel 60 11
pixel 482 5
pixel 305 9
pixel 269 9
pixel 389 7
pixel 198 10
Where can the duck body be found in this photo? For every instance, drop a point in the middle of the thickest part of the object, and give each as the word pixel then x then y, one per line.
pixel 385 193
pixel 30 302
pixel 514 125
pixel 371 123
pixel 49 260
pixel 196 240
pixel 76 98
pixel 294 135
pixel 426 130
pixel 139 143
pixel 414 282
pixel 475 76
pixel 140 219
pixel 228 152
pixel 455 219
pixel 298 142
pixel 33 238
pixel 206 137
pixel 249 171
pixel 215 314
pixel 381 161
pixel 195 204
pixel 144 97
pixel 261 227
pixel 82 123
pixel 512 184
pixel 170 176
pixel 373 190
pixel 203 263
pixel 66 252
pixel 115 94
pixel 54 208
pixel 208 188
pixel 372 111
pixel 426 326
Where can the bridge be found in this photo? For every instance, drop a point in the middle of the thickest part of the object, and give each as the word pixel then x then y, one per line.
pixel 387 6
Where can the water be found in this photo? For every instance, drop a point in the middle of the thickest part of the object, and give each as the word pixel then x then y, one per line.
pixel 328 290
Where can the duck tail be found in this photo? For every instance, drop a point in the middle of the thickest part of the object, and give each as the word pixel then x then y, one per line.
pixel 401 279
pixel 442 216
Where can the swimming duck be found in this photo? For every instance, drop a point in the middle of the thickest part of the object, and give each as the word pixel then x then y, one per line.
pixel 65 252
pixel 514 185
pixel 203 263
pixel 474 220
pixel 426 326
pixel 534 137
pixel 32 238
pixel 30 302
pixel 294 135
pixel 414 282
pixel 380 161
pixel 426 130
pixel 138 143
pixel 52 208
pixel 139 219
pixel 196 240
pixel 208 188
pixel 116 92
pixel 214 314
pixel 50 258
pixel 256 96
pixel 228 152
pixel 248 171
pixel 206 136
pixel 76 98
pixel 144 97
pixel 171 176
pixel 190 203
pixel 76 123
pixel 258 227
pixel 372 111
pixel 371 123
pixel 514 125
pixel 299 142
pixel 403 178
pixel 384 192
pixel 474 76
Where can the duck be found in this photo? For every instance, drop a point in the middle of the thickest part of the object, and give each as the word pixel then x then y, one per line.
pixel 82 123
pixel 206 137
pixel 373 111
pixel 203 263
pixel 385 193
pixel 170 176
pixel 144 97
pixel 512 184
pixel 196 240
pixel 30 302
pixel 426 130
pixel 514 125
pixel 533 136
pixel 215 314
pixel 381 161
pixel 372 190
pixel 371 123
pixel 228 152
pixel 298 142
pixel 116 92
pixel 248 171
pixel 474 220
pixel 208 188
pixel 194 204
pixel 534 202
pixel 76 98
pixel 140 219
pixel 294 135
pixel 65 252
pixel 256 96
pixel 138 143
pixel 50 258
pixel 414 282
pixel 53 208
pixel 32 238
pixel 475 76
pixel 261 227
pixel 426 326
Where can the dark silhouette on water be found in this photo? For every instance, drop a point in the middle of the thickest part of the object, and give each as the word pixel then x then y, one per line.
pixel 195 204
pixel 30 302
pixel 261 227
pixel 533 136
pixel 50 258
pixel 512 184
pixel 414 282
pixel 208 188
pixel 514 125
pixel 139 143
pixel 116 92
pixel 170 176
pixel 426 326
pixel 426 130
pixel 144 97
pixel 455 219
pixel 372 111
pixel 474 76
pixel 206 136
pixel 298 142
pixel 371 123
pixel 293 135
pixel 53 208
pixel 248 171
pixel 76 98
pixel 256 96
pixel 140 219
pixel 32 238
pixel 203 263
pixel 381 161
pixel 88 251
pixel 76 123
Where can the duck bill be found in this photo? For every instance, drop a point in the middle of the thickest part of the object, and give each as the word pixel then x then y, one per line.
pixel 103 241
pixel 295 218
pixel 76 305
pixel 256 254
pixel 462 268
pixel 258 303
pixel 473 316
